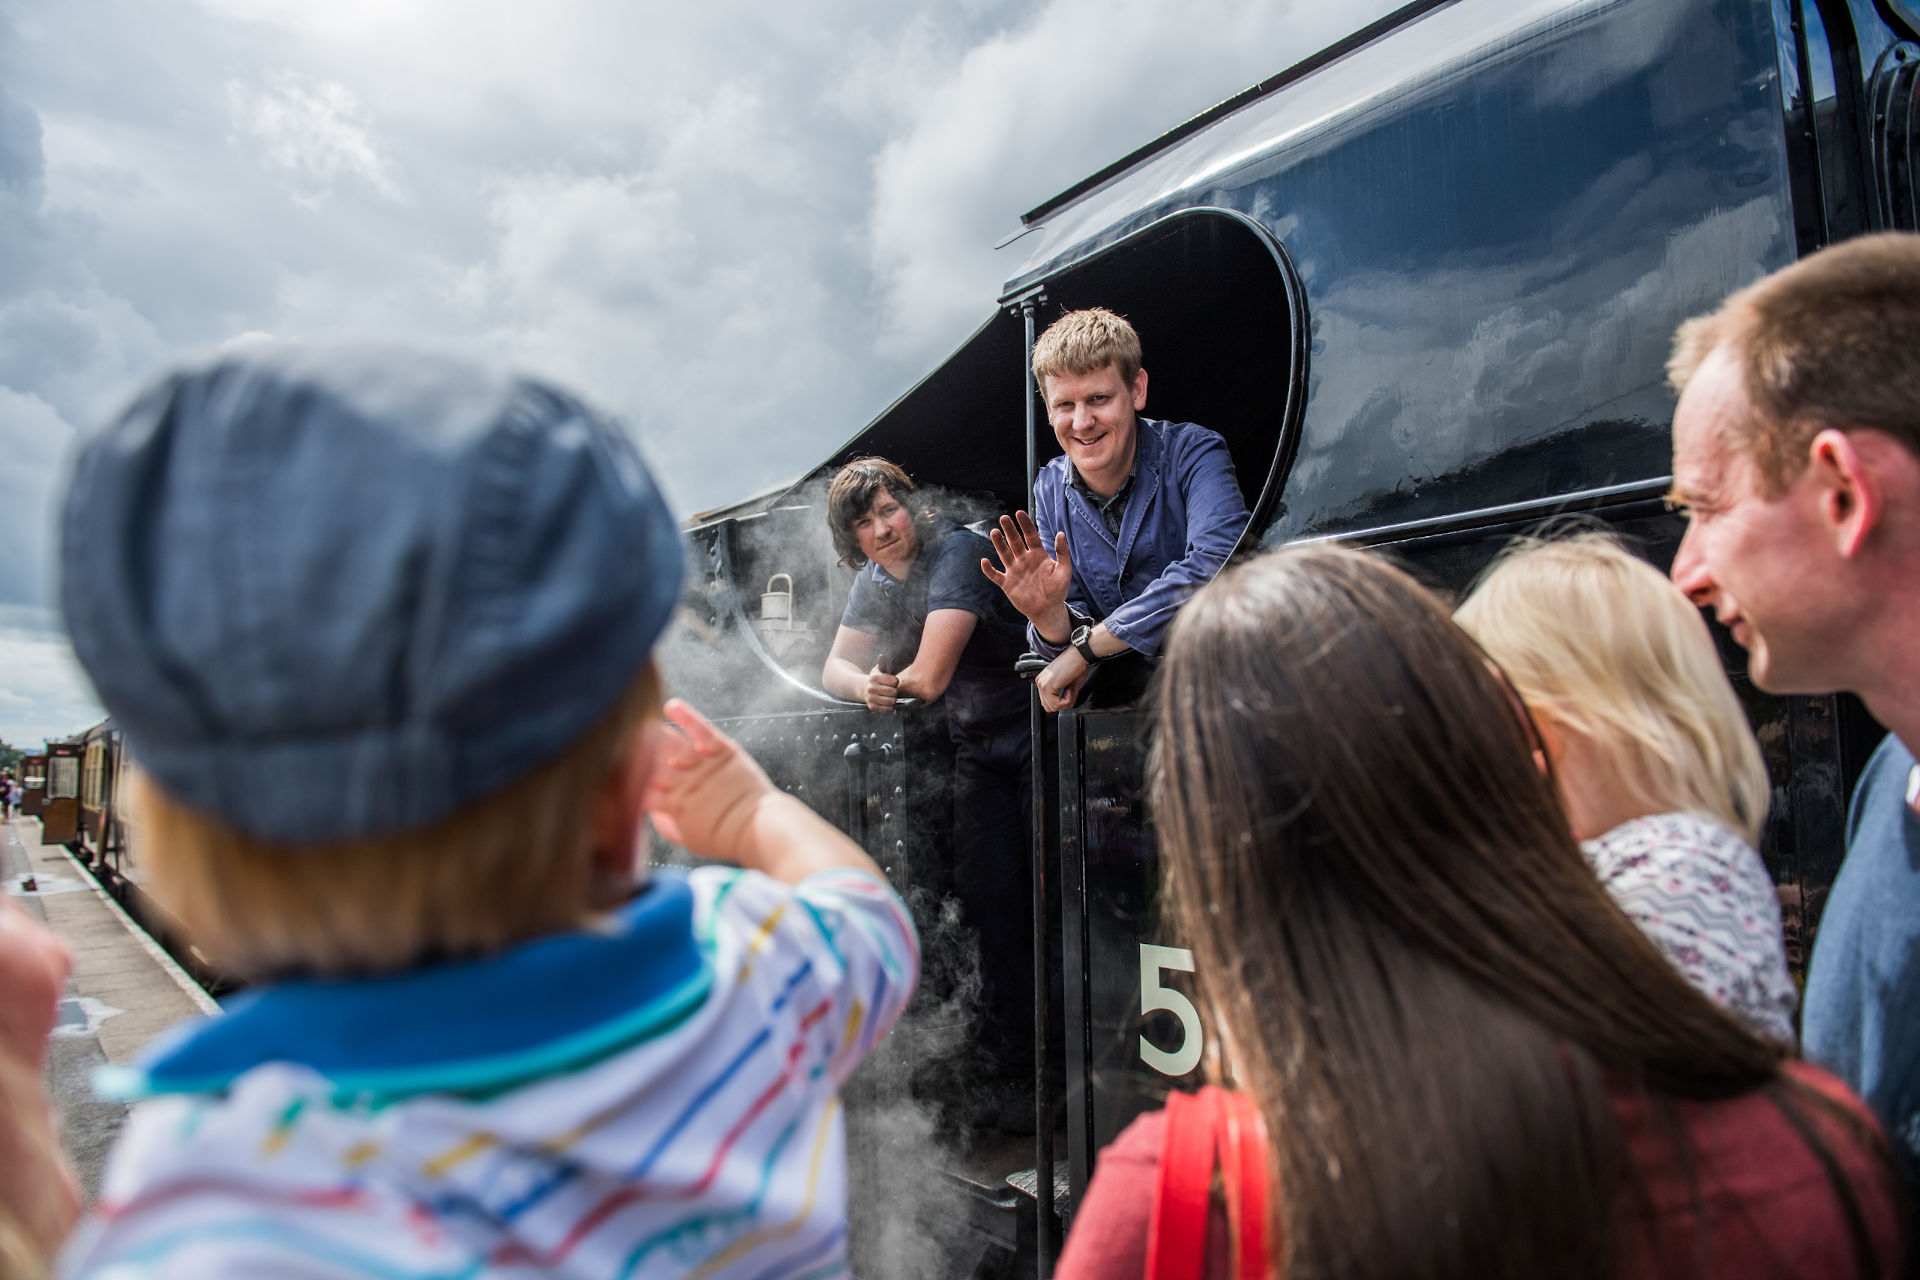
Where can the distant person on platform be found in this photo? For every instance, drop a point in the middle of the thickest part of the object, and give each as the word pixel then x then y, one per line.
pixel 1796 454
pixel 1137 514
pixel 922 623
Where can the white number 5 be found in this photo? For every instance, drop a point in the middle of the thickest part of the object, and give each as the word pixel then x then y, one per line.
pixel 1154 996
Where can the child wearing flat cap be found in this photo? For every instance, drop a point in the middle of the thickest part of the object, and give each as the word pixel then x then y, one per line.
pixel 377 628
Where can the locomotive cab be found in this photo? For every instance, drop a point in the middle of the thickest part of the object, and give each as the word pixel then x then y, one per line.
pixel 1219 308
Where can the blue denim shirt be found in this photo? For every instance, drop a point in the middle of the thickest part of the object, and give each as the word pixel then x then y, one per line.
pixel 1861 1016
pixel 1181 522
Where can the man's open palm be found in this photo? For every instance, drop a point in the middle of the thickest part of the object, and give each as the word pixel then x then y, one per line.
pixel 1036 583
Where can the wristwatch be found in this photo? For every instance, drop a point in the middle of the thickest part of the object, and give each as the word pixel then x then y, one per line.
pixel 1082 639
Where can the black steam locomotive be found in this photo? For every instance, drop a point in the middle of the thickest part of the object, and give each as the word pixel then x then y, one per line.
pixel 1424 283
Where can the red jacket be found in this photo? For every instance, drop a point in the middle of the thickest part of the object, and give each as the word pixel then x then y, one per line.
pixel 1772 1210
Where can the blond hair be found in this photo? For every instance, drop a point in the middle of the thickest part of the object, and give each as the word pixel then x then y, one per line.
pixel 1831 341
pixel 1083 342
pixel 512 865
pixel 1600 641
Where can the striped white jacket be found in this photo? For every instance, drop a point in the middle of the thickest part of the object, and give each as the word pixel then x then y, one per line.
pixel 654 1099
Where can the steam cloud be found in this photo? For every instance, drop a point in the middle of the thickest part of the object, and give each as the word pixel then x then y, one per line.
pixel 911 1109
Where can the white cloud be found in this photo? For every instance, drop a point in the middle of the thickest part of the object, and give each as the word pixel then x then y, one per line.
pixel 744 228
pixel 313 131
pixel 42 691
pixel 76 349
pixel 34 441
pixel 1027 113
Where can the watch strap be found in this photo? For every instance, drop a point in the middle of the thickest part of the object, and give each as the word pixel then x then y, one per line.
pixel 1082 639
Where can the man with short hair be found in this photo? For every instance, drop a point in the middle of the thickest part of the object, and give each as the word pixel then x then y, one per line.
pixel 1796 453
pixel 1138 512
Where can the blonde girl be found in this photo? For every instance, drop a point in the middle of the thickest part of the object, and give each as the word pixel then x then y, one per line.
pixel 1660 775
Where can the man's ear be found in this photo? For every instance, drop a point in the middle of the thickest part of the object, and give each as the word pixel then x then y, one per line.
pixel 1848 488
pixel 1139 390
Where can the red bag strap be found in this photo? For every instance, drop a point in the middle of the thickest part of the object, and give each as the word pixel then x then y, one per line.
pixel 1212 1128
pixel 1243 1164
pixel 1177 1232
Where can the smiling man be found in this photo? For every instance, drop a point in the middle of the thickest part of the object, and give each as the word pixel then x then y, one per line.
pixel 1796 453
pixel 1133 517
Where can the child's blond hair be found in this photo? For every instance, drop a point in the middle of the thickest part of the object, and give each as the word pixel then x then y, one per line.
pixel 511 865
pixel 1600 641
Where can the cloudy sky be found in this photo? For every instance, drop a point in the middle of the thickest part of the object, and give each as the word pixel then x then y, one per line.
pixel 744 227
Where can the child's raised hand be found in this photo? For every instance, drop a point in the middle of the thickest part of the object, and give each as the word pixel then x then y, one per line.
pixel 703 791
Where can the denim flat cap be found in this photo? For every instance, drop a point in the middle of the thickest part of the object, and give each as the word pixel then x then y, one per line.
pixel 336 592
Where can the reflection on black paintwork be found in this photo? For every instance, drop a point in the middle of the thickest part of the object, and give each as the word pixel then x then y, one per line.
pixel 1496 247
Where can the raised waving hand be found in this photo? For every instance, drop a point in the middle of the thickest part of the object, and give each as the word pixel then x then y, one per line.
pixel 710 797
pixel 1036 583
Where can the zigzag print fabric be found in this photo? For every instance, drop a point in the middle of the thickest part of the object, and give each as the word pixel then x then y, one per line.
pixel 1704 897
pixel 708 1145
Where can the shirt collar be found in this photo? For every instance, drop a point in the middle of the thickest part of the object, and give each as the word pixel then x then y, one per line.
pixel 472 1026
pixel 1119 495
pixel 1146 454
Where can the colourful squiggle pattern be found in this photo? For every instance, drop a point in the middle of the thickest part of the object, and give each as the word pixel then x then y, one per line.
pixel 853 972
pixel 769 1235
pixel 635 1194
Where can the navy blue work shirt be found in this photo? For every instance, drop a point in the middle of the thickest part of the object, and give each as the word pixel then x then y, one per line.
pixel 1181 522
pixel 984 694
pixel 1861 1016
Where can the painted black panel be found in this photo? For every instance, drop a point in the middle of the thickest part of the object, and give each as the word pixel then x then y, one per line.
pixel 1500 213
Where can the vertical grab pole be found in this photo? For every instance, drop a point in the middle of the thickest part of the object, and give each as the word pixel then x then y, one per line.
pixel 1037 840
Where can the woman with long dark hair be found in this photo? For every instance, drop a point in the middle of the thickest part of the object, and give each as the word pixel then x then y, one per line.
pixel 1467 1061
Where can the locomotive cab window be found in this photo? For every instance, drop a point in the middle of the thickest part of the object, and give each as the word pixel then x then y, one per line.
pixel 1220 315
pixel 1221 320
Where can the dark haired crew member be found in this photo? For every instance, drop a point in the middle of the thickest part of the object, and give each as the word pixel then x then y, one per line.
pixel 919 601
pixel 1139 512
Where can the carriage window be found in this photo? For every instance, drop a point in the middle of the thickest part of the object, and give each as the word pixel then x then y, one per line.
pixel 63 778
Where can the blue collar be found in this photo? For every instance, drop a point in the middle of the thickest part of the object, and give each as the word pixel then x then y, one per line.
pixel 470 1027
pixel 1142 483
pixel 1149 445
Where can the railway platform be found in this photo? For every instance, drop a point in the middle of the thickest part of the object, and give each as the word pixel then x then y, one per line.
pixel 124 990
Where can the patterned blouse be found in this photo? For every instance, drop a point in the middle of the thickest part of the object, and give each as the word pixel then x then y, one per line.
pixel 1704 897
